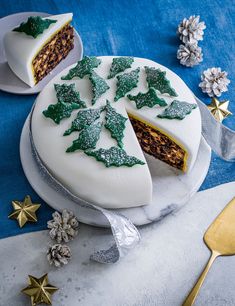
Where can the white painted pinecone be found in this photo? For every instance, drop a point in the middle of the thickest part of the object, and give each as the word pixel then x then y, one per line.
pixel 214 82
pixel 59 255
pixel 63 227
pixel 189 55
pixel 191 30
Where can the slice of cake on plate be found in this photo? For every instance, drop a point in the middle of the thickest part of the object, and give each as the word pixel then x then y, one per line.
pixel 37 46
pixel 93 122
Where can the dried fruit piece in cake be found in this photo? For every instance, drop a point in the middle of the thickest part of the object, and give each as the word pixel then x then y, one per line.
pixel 38 45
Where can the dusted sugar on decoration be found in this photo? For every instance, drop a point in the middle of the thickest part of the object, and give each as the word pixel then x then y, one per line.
pixel 115 123
pixel 126 82
pixel 83 68
pixel 60 110
pixel 99 86
pixel 120 64
pixel 114 157
pixel 38 45
pixel 87 138
pixel 68 94
pixel 157 79
pixel 177 110
pixel 149 99
pixel 34 26
pixel 84 118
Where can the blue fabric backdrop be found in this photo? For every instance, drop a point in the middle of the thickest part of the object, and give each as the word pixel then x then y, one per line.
pixel 138 28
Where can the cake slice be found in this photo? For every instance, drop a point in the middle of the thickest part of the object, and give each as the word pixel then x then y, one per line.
pixel 38 45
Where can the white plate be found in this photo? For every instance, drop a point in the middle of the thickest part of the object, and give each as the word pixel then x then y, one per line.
pixel 171 188
pixel 8 80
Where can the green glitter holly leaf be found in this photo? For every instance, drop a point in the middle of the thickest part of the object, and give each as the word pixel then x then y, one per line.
pixel 83 67
pixel 177 110
pixel 87 138
pixel 157 79
pixel 114 156
pixel 68 94
pixel 59 111
pixel 99 86
pixel 120 64
pixel 34 26
pixel 84 118
pixel 115 123
pixel 126 82
pixel 149 99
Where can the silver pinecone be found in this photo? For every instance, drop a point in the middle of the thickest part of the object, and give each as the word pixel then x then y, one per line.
pixel 58 255
pixel 214 82
pixel 189 55
pixel 63 227
pixel 191 30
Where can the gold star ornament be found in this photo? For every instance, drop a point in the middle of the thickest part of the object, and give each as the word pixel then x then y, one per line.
pixel 219 109
pixel 24 211
pixel 39 290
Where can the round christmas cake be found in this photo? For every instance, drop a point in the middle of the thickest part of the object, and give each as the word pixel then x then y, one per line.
pixel 94 122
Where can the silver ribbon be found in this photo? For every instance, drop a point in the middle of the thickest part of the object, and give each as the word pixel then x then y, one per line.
pixel 220 138
pixel 125 234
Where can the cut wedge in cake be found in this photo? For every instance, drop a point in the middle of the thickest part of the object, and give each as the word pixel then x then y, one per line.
pixel 93 122
pixel 35 47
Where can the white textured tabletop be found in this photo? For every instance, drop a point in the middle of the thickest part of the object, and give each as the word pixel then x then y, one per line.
pixel 159 271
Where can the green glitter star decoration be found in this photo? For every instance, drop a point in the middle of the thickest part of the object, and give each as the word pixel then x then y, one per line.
pixel 87 138
pixel 114 156
pixel 177 110
pixel 120 64
pixel 126 82
pixel 149 99
pixel 34 26
pixel 115 123
pixel 157 79
pixel 83 68
pixel 99 86
pixel 68 100
pixel 84 118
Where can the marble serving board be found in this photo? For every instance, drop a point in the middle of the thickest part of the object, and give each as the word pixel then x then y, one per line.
pixel 171 188
pixel 160 271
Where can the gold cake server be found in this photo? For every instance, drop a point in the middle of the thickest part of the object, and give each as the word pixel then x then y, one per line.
pixel 220 239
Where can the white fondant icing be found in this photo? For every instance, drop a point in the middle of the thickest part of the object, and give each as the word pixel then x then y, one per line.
pixel 84 176
pixel 20 48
